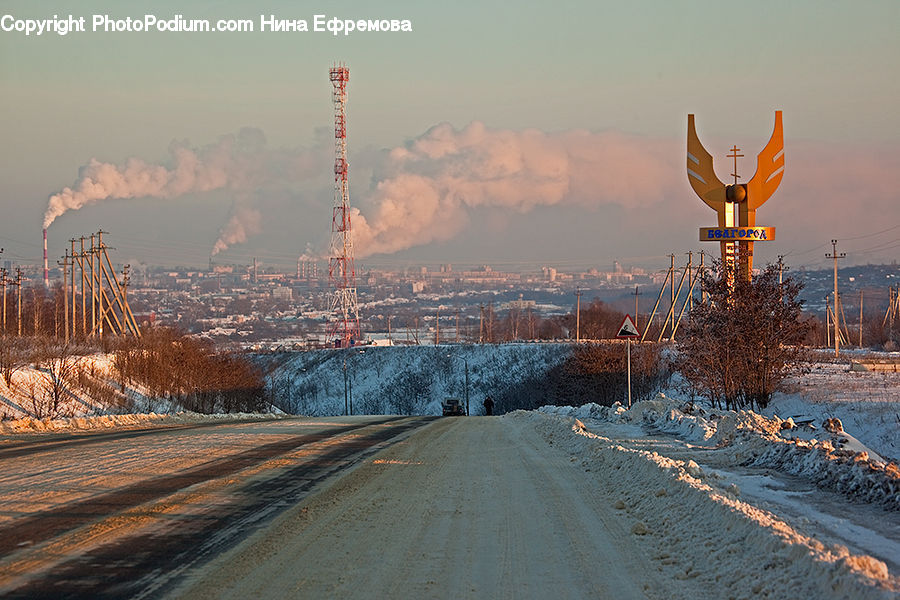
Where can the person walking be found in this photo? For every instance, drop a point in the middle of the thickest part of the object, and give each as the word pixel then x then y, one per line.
pixel 488 406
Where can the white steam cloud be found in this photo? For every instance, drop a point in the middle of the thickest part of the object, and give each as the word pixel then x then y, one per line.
pixel 240 163
pixel 429 189
pixel 432 184
pixel 243 223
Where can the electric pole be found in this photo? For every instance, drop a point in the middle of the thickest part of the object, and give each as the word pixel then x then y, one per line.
pixel 18 285
pixel 3 282
pixel 65 266
pixel 636 294
pixel 577 315
pixel 837 332
pixel 860 317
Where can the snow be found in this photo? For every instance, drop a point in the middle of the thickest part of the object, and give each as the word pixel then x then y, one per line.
pixel 68 424
pixel 832 460
pixel 867 403
pixel 697 518
pixel 700 486
pixel 407 379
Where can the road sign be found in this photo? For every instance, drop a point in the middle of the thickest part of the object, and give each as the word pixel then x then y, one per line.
pixel 628 329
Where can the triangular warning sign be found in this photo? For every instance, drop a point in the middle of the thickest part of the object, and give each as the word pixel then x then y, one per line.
pixel 628 329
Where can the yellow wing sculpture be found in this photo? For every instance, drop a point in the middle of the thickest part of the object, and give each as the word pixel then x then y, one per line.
pixel 738 201
pixel 769 168
pixel 700 171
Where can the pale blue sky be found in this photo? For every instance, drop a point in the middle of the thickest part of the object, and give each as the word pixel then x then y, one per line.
pixel 637 67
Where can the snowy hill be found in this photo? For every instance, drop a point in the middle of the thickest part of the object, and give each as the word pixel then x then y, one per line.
pixel 411 379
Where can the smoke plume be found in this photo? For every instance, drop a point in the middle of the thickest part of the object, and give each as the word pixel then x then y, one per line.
pixel 430 189
pixel 240 163
pixel 431 186
pixel 243 223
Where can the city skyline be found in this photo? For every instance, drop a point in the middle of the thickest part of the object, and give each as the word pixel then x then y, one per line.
pixel 480 137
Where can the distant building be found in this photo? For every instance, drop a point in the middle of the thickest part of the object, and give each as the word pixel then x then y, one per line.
pixel 282 293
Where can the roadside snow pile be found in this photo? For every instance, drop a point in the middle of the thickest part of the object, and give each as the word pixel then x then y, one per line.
pixel 832 459
pixel 681 511
pixel 30 425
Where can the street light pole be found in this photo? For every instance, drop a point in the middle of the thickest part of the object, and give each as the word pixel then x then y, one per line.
pixel 346 398
pixel 466 361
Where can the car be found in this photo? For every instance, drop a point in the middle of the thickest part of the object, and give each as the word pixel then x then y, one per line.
pixel 452 407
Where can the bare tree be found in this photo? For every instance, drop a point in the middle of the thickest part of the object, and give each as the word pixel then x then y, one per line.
pixel 738 347
pixel 14 355
pixel 56 367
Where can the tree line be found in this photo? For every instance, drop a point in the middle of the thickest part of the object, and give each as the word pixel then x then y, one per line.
pixel 164 369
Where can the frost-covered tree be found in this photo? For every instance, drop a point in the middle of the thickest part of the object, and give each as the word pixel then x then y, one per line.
pixel 739 346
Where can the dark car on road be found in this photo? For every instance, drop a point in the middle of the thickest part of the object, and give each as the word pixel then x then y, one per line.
pixel 452 407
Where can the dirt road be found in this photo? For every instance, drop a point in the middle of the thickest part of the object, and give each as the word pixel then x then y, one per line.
pixel 477 507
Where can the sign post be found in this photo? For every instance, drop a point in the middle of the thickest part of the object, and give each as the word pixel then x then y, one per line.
pixel 736 204
pixel 628 331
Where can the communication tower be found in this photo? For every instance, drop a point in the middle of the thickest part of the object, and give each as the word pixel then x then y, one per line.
pixel 344 330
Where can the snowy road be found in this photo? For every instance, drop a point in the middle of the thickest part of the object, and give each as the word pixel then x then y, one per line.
pixel 528 505
pixel 127 514
pixel 467 508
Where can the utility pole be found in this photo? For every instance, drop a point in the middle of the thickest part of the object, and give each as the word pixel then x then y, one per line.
pixel 65 266
pixel 3 283
pixel 577 315
pixel 101 312
pixel 83 256
pixel 780 269
pixel 72 277
pixel 437 327
pixel 837 333
pixel 18 285
pixel 672 288
pixel 490 323
pixel 481 325
pixel 636 294
pixel 346 397
pixel 93 251
pixel 466 362
pixel 860 317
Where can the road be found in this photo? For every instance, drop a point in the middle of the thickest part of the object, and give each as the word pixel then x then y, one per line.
pixel 129 514
pixel 340 508
pixel 475 507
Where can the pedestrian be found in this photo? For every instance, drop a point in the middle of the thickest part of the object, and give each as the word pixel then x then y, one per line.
pixel 488 406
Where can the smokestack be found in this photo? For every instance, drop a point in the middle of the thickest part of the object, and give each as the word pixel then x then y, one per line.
pixel 46 265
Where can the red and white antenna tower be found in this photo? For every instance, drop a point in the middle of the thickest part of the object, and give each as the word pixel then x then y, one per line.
pixel 341 271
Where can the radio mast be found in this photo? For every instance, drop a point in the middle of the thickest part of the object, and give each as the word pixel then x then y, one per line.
pixel 344 330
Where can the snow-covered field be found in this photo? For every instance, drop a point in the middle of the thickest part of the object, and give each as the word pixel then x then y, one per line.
pixel 867 403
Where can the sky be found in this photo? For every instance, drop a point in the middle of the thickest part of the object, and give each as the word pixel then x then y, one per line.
pixel 548 134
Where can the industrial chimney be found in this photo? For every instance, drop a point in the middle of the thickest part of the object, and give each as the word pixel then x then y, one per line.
pixel 46 265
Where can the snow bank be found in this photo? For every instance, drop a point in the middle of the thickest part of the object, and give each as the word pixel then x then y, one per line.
pixel 30 425
pixel 678 507
pixel 836 461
